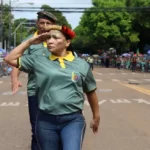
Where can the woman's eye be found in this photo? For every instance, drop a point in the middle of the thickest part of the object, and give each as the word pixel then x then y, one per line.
pixel 55 37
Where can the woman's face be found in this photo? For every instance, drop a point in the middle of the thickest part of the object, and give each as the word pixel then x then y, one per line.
pixel 57 42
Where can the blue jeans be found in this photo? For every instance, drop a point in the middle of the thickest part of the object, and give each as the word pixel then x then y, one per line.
pixel 33 110
pixel 51 130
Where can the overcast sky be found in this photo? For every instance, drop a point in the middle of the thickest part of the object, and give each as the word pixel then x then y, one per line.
pixel 73 18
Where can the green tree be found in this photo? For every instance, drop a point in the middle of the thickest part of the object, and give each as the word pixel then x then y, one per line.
pixel 6 19
pixel 103 28
pixel 140 21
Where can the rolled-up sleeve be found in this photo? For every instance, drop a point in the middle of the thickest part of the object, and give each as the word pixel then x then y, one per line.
pixel 89 84
pixel 26 63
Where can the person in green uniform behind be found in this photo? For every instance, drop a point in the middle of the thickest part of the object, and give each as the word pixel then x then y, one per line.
pixel 43 19
pixel 61 81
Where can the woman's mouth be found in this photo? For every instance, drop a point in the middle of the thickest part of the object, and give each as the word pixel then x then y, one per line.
pixel 50 47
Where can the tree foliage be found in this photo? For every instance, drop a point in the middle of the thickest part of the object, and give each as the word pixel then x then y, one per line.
pixel 141 21
pixel 10 25
pixel 101 28
pixel 6 18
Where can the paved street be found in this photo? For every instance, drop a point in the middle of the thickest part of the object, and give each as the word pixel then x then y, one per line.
pixel 124 99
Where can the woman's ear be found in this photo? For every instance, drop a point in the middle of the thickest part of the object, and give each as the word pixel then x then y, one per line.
pixel 68 42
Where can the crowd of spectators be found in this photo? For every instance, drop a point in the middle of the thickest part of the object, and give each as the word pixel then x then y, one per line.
pixel 135 63
pixel 5 69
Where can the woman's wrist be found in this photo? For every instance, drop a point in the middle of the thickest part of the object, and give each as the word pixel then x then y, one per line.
pixel 29 42
pixel 96 116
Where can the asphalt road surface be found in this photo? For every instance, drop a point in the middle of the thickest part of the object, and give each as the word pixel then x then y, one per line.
pixel 124 99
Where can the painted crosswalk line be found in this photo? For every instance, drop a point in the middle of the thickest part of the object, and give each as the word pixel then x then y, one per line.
pixel 7 104
pixel 132 80
pixel 124 73
pixel 86 103
pixel 112 73
pixel 148 80
pixel 140 101
pixel 120 101
pixel 98 80
pixel 8 93
pixel 115 80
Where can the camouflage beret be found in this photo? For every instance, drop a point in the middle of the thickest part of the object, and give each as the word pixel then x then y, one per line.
pixel 46 15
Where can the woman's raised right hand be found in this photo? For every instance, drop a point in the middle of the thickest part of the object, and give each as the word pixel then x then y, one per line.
pixel 39 38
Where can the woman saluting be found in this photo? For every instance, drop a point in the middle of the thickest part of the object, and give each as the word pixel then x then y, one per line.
pixel 61 81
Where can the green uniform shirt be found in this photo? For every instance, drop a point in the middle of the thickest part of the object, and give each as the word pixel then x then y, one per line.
pixel 39 49
pixel 60 87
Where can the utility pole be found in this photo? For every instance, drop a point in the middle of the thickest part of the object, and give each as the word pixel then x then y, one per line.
pixel 14 33
pixel 9 30
pixel 1 24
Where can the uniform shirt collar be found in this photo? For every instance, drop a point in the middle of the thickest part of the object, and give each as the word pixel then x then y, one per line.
pixel 68 57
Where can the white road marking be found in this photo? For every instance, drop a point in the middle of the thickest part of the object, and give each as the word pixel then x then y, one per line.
pixel 112 101
pixel 7 93
pixel 115 80
pixel 22 93
pixel 101 102
pixel 6 104
pixel 124 73
pixel 86 103
pixel 132 80
pixel 112 73
pixel 10 93
pixel 142 101
pixel 4 76
pixel 147 80
pixel 119 101
pixel 98 80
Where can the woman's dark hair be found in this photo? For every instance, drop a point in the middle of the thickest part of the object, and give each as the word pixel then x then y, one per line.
pixel 69 48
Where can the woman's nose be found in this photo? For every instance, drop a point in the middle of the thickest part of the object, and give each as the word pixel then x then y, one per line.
pixel 50 40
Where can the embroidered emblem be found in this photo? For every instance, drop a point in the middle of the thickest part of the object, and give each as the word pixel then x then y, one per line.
pixel 75 77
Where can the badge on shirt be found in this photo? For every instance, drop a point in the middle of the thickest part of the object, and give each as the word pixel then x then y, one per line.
pixel 75 77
